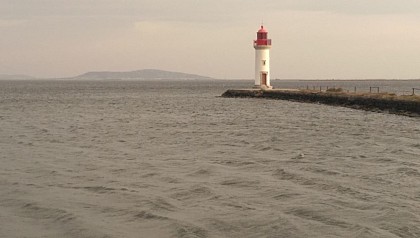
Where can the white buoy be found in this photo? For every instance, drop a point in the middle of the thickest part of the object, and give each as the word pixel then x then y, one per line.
pixel 262 47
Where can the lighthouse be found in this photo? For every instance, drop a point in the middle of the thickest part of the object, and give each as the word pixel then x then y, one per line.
pixel 262 47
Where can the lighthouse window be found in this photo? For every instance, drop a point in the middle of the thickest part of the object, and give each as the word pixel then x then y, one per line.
pixel 263 62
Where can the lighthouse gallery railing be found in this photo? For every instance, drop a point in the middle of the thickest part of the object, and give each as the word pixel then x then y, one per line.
pixel 262 42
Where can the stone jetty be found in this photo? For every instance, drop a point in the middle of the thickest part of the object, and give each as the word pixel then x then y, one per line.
pixel 408 105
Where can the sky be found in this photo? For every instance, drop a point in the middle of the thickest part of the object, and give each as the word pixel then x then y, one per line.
pixel 312 39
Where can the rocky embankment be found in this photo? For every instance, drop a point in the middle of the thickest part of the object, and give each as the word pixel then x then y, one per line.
pixel 383 102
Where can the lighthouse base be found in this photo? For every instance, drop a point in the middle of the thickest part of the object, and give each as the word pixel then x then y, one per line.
pixel 262 87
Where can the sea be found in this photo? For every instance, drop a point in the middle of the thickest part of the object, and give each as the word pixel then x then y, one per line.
pixel 171 158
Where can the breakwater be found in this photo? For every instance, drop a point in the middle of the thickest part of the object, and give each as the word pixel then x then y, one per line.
pixel 383 102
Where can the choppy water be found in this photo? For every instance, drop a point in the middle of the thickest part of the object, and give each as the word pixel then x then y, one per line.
pixel 171 159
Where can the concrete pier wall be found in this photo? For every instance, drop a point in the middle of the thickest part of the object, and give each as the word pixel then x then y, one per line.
pixel 404 105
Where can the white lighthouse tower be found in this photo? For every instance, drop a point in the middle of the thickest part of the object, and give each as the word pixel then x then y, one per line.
pixel 262 47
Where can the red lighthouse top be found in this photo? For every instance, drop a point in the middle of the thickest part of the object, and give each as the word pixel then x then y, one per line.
pixel 262 29
pixel 262 38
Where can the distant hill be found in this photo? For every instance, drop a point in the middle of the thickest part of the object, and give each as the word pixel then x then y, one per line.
pixel 140 74
pixel 14 77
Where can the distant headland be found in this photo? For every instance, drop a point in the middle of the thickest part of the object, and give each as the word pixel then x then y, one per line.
pixel 144 74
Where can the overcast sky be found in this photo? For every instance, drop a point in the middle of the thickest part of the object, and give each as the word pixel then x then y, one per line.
pixel 311 38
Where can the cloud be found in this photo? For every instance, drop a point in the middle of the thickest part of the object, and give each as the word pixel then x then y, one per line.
pixel 312 38
pixel 12 23
pixel 199 11
pixel 148 8
pixel 199 8
pixel 365 7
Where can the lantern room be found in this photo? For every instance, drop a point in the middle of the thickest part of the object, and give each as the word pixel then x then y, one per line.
pixel 262 38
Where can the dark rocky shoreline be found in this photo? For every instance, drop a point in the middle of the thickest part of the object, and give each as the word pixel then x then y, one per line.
pixel 401 105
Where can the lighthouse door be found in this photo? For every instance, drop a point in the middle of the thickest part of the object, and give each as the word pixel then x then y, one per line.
pixel 263 78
